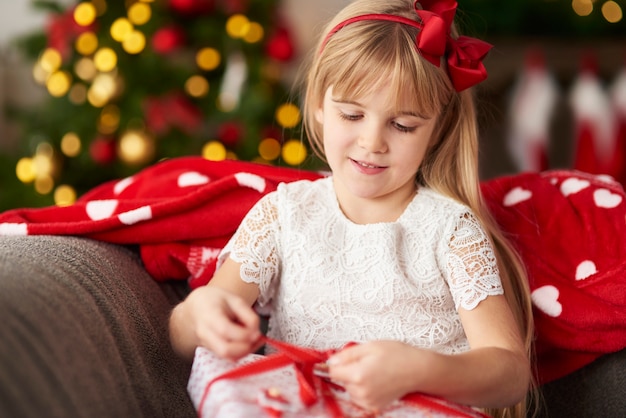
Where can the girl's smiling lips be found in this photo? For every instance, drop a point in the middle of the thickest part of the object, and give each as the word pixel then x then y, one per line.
pixel 366 167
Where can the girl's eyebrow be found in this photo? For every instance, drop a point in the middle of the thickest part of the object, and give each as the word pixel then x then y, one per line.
pixel 401 113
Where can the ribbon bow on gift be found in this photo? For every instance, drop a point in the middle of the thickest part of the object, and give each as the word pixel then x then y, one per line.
pixel 315 386
pixel 434 40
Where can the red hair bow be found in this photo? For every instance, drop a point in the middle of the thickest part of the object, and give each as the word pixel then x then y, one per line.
pixel 465 54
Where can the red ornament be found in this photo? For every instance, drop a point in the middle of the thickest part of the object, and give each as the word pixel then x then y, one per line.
pixel 230 7
pixel 192 7
pixel 168 39
pixel 102 150
pixel 280 46
pixel 173 109
pixel 229 133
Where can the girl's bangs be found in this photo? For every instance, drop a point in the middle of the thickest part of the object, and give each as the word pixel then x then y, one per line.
pixel 394 63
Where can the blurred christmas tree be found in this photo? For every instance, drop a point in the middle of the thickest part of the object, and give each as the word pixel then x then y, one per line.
pixel 131 82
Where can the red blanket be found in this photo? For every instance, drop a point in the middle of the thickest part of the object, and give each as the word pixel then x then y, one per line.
pixel 569 228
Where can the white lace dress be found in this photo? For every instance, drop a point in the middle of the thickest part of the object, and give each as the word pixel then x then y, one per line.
pixel 327 281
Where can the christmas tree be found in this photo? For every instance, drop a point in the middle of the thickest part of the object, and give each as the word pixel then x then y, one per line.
pixel 132 82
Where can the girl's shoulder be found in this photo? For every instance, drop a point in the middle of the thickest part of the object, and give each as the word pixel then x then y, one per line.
pixel 441 203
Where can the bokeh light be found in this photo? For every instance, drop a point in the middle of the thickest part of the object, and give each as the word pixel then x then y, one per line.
pixel 50 60
pixel 134 42
pixel 197 86
pixel 214 151
pixel 208 59
pixel 121 28
pixel 288 115
pixel 85 13
pixel 64 195
pixel 269 149
pixel 582 7
pixel 86 43
pixel 139 13
pixel 59 83
pixel 294 152
pixel 612 12
pixel 105 59
pixel 255 33
pixel 237 26
pixel 70 144
pixel 135 148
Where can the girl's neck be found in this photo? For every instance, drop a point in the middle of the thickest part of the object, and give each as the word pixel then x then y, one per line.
pixel 374 210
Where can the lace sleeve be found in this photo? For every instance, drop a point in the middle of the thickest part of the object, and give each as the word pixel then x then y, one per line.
pixel 254 246
pixel 471 264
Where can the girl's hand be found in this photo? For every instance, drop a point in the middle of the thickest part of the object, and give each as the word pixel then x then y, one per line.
pixel 373 373
pixel 217 319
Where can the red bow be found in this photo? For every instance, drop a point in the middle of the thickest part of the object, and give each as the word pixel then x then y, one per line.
pixel 465 54
pixel 305 362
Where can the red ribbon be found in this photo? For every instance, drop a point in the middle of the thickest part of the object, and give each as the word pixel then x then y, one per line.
pixel 464 55
pixel 312 386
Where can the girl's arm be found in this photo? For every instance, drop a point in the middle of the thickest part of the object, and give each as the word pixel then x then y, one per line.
pixel 494 373
pixel 218 316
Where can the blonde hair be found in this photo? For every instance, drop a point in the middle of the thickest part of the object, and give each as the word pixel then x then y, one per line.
pixel 357 60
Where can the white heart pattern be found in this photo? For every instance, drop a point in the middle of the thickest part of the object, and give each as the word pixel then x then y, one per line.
pixel 131 217
pixel 605 199
pixel 252 181
pixel 516 195
pixel 585 269
pixel 101 209
pixel 192 178
pixel 546 298
pixel 573 185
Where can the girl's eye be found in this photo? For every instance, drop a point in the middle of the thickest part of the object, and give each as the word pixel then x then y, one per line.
pixel 347 116
pixel 402 128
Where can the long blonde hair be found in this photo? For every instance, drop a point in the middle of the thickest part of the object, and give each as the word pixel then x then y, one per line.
pixel 361 56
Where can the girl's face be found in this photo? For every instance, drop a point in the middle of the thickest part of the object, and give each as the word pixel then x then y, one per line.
pixel 373 150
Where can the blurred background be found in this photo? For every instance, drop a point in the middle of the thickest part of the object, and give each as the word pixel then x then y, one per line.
pixel 97 90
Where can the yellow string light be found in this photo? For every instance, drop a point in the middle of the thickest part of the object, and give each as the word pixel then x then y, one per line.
pixel 25 170
pixel 86 43
pixel 109 119
pixel 70 144
pixel 269 149
pixel 288 115
pixel 78 93
pixel 86 69
pixel 44 184
pixel 197 86
pixel 50 60
pixel 85 13
pixel 255 33
pixel 139 13
pixel 612 12
pixel 294 152
pixel 64 195
pixel 582 7
pixel 135 148
pixel 214 151
pixel 105 59
pixel 121 28
pixel 59 83
pixel 102 90
pixel 208 59
pixel 134 43
pixel 237 26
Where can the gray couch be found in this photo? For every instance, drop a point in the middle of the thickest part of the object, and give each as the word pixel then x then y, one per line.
pixel 83 334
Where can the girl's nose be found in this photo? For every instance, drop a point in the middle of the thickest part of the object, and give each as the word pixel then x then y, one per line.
pixel 372 140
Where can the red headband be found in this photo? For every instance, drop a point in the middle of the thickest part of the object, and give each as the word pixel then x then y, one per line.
pixel 465 54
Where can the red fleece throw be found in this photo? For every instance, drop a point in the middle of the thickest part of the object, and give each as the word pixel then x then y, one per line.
pixel 569 228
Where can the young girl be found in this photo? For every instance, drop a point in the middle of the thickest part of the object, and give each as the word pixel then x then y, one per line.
pixel 395 250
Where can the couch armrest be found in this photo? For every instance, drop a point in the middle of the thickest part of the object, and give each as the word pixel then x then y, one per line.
pixel 83 333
